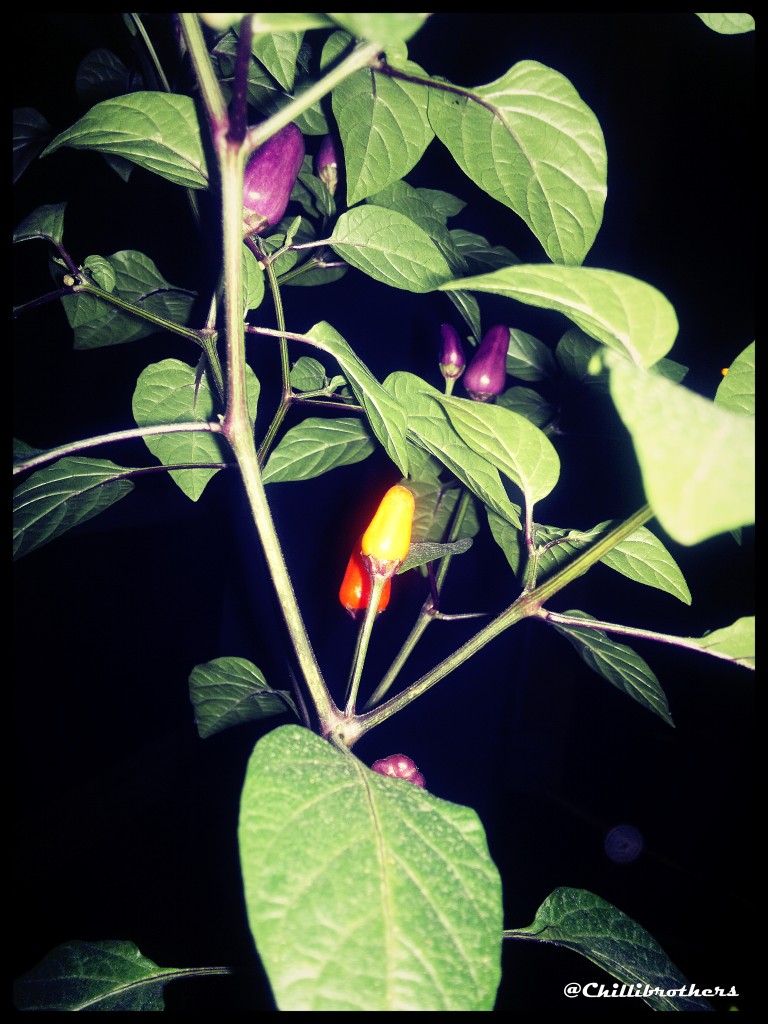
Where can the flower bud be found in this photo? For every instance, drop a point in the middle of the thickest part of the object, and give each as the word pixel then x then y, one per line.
pixel 399 766
pixel 452 359
pixel 487 371
pixel 327 163
pixel 269 178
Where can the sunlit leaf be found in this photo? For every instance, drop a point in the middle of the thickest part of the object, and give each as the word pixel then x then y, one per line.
pixel 736 390
pixel 729 24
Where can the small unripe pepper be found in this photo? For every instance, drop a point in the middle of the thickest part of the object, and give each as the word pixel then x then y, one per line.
pixel 355 590
pixel 269 177
pixel 399 766
pixel 387 539
pixel 327 163
pixel 453 362
pixel 487 371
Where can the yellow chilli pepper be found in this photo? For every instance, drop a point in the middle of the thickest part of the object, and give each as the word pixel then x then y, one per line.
pixel 388 537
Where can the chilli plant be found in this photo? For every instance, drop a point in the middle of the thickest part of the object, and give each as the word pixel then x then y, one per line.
pixel 286 149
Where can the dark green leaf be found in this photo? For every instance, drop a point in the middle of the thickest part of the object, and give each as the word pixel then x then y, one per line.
pixel 228 691
pixel 31 131
pixel 316 446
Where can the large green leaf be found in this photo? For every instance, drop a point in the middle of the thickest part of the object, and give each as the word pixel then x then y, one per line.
pixel 228 691
pixel 390 248
pixel 430 429
pixel 736 390
pixel 169 392
pixel 386 29
pixel 159 131
pixel 509 441
pixel 405 199
pixel 589 925
pixel 531 142
pixel 134 278
pixel 384 413
pixel 697 457
pixel 107 975
pixel 617 663
pixel 619 311
pixel 729 24
pixel 65 494
pixel 384 130
pixel 364 892
pixel 316 446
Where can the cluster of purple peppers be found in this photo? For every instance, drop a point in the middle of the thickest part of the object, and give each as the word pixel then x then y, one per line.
pixel 486 374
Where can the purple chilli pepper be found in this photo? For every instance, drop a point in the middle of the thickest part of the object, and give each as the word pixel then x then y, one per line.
pixel 269 177
pixel 452 358
pixel 487 372
pixel 399 766
pixel 327 163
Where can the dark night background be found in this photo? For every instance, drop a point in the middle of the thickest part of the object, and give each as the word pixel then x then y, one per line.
pixel 126 820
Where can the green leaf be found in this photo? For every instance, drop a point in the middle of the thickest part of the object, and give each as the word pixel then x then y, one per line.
pixel 405 877
pixel 405 199
pixel 435 506
pixel 386 29
pixel 44 222
pixel 509 441
pixel 530 404
pixel 101 75
pixel 479 253
pixel 316 446
pixel 168 392
pixel 430 429
pixel 65 494
pixel 641 557
pixel 279 52
pixel 159 131
pixel 530 141
pixel 253 281
pixel 384 130
pixel 587 924
pixel 30 133
pixel 228 691
pixel 108 975
pixel 384 413
pixel 308 374
pixel 728 24
pixel 97 323
pixel 509 539
pixel 734 643
pixel 528 358
pixel 620 665
pixel 736 390
pixel 619 311
pixel 697 458
pixel 390 248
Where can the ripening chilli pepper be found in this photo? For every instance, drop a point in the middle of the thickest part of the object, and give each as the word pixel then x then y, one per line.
pixel 453 362
pixel 386 541
pixel 486 374
pixel 270 175
pixel 355 589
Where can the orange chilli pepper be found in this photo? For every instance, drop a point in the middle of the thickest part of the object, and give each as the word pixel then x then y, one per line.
pixel 355 590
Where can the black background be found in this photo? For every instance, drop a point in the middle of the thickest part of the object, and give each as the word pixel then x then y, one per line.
pixel 126 820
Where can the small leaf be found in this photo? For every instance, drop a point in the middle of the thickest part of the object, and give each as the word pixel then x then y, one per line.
pixel 63 495
pixel 31 131
pixel 408 882
pixel 168 392
pixel 158 131
pixel 316 446
pixel 420 553
pixel 736 390
pixel 587 924
pixel 729 24
pixel 734 643
pixel 697 457
pixel 44 222
pixel 528 358
pixel 620 665
pixel 619 311
pixel 308 374
pixel 384 413
pixel 108 975
pixel 228 691
pixel 390 248
pixel 101 75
